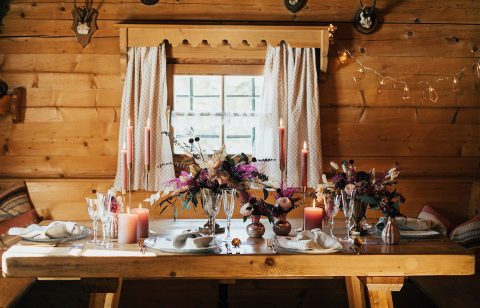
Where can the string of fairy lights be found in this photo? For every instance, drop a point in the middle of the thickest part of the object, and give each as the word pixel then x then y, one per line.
pixel 429 86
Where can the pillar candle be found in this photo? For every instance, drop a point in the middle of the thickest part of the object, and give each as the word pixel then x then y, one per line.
pixel 127 228
pixel 312 217
pixel 282 148
pixel 124 167
pixel 129 143
pixel 142 224
pixel 304 164
pixel 147 144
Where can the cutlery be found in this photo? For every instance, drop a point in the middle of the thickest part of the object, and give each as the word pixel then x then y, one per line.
pixel 355 250
pixel 271 245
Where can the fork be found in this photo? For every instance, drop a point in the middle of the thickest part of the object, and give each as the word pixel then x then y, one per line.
pixel 271 245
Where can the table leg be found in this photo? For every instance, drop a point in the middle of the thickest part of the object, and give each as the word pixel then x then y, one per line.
pixel 355 292
pixel 380 290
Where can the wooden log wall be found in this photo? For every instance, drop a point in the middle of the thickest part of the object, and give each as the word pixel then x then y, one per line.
pixel 66 148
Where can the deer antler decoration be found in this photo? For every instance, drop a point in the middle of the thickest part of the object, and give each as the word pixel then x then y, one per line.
pixel 84 21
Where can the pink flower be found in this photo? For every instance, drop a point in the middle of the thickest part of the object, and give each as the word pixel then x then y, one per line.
pixel 284 203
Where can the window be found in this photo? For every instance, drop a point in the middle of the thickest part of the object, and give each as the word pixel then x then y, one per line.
pixel 219 109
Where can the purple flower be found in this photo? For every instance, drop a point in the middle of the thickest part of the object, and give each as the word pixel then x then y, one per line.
pixel 246 171
pixel 183 181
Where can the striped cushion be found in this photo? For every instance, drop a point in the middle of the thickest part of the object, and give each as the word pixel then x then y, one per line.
pixel 442 224
pixel 468 235
pixel 14 199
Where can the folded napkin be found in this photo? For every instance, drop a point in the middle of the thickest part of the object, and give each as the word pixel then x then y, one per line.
pixel 405 223
pixel 56 229
pixel 191 239
pixel 311 240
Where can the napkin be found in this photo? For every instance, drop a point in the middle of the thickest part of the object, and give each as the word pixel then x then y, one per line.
pixel 405 223
pixel 56 229
pixel 191 239
pixel 311 240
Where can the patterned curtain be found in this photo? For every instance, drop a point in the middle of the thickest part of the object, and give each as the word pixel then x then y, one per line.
pixel 145 97
pixel 290 93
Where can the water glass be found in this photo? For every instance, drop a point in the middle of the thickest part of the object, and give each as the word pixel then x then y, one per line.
pixel 94 213
pixel 212 204
pixel 104 201
pixel 228 207
pixel 332 204
pixel 348 204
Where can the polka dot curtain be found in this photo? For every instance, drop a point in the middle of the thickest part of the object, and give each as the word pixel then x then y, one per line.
pixel 290 93
pixel 145 97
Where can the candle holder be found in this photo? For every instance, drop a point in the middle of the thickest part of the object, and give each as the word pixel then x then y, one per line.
pixel 129 182
pixel 147 171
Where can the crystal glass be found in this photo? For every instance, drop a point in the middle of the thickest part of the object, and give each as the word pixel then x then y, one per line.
pixel 332 204
pixel 348 204
pixel 103 201
pixel 94 213
pixel 212 204
pixel 228 207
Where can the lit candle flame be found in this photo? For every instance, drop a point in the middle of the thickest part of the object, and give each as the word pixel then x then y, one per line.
pixel 314 203
pixel 128 210
pixel 129 122
pixel 281 122
pixel 148 122
pixel 124 146
pixel 139 205
pixel 304 145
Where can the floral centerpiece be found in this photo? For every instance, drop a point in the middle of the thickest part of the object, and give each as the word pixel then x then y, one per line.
pixel 213 172
pixel 378 192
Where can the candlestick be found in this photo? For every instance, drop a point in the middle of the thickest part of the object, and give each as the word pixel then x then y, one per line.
pixel 282 150
pixel 130 143
pixel 312 217
pixel 147 142
pixel 304 165
pixel 142 224
pixel 124 167
pixel 127 228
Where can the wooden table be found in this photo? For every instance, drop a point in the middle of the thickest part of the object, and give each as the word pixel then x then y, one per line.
pixel 382 270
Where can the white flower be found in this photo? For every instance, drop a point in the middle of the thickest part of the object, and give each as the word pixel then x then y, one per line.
pixel 284 203
pixel 324 178
pixel 393 173
pixel 246 209
pixel 334 165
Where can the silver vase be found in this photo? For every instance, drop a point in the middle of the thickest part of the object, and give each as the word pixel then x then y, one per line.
pixel 256 228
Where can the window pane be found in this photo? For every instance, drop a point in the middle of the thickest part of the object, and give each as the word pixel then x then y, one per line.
pixel 238 145
pixel 238 136
pixel 207 128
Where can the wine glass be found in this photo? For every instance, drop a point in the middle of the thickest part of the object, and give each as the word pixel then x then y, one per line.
pixel 332 204
pixel 348 203
pixel 212 206
pixel 228 207
pixel 104 200
pixel 94 213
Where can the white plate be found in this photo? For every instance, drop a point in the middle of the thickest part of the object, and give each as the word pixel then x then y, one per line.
pixel 280 248
pixel 62 239
pixel 166 245
pixel 418 234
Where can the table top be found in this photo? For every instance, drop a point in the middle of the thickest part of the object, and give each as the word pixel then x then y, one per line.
pixel 435 256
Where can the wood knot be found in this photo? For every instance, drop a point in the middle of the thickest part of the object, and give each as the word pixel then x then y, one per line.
pixel 173 274
pixel 269 261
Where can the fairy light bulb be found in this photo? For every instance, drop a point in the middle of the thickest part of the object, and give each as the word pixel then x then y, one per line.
pixel 358 75
pixel 406 93
pixel 343 57
pixel 478 69
pixel 381 83
pixel 432 94
pixel 456 86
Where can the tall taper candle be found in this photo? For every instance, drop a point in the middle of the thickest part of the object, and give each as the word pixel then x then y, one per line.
pixel 304 164
pixel 129 143
pixel 147 142
pixel 124 168
pixel 282 148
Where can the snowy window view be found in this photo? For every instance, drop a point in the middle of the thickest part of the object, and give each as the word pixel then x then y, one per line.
pixel 218 109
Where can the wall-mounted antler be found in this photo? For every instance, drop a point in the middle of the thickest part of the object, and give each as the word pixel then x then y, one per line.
pixel 84 21
pixel 365 20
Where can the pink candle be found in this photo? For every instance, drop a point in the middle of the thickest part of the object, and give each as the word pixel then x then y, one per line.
pixel 312 217
pixel 129 143
pixel 304 164
pixel 142 224
pixel 127 228
pixel 147 144
pixel 124 167
pixel 282 148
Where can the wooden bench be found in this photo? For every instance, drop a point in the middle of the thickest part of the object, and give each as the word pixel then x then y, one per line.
pixel 12 289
